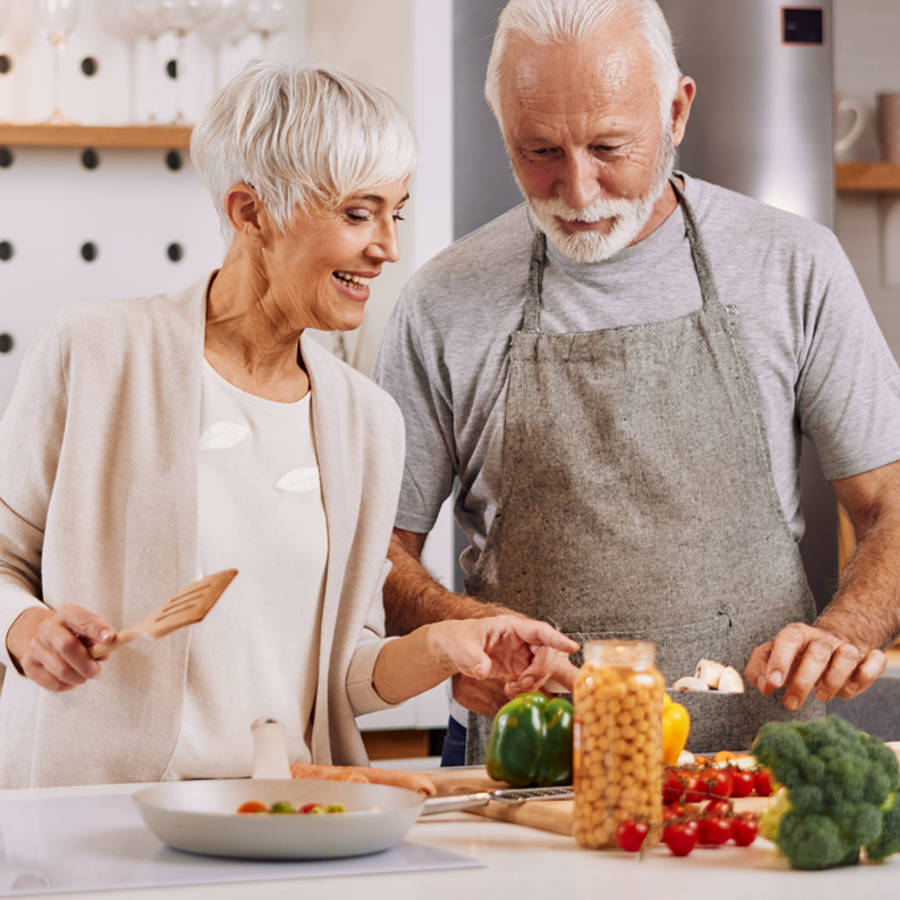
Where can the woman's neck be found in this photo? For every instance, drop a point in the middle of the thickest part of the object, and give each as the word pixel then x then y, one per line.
pixel 245 339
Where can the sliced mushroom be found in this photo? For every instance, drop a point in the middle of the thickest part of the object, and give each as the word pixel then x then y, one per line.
pixel 730 681
pixel 689 683
pixel 709 672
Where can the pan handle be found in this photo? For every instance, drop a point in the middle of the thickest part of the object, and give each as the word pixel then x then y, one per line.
pixel 452 802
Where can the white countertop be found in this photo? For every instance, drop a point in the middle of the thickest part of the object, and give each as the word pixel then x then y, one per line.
pixel 524 863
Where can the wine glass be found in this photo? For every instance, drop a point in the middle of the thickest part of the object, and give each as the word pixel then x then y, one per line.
pixel 183 17
pixel 58 21
pixel 226 28
pixel 265 18
pixel 117 17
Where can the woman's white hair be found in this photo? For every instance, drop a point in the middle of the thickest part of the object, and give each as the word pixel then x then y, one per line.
pixel 572 21
pixel 305 136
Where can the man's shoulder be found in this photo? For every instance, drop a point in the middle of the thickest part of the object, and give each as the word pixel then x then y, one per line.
pixel 725 213
pixel 478 261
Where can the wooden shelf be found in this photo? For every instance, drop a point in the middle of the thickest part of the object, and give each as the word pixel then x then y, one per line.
pixel 64 135
pixel 867 176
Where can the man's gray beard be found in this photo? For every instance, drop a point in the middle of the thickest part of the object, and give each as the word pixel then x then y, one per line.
pixel 629 216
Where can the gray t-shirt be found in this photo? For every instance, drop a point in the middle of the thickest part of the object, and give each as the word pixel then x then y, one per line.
pixel 821 363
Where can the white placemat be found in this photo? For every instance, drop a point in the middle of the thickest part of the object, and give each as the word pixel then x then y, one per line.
pixel 50 845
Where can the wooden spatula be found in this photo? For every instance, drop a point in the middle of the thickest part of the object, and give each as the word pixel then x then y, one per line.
pixel 188 606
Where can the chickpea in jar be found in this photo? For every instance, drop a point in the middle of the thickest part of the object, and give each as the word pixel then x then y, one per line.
pixel 618 767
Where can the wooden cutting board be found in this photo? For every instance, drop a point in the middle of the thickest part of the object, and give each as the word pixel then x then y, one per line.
pixel 547 815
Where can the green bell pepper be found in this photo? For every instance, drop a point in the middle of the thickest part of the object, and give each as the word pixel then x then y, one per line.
pixel 531 741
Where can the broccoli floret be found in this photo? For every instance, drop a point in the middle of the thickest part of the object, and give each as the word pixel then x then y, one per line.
pixel 888 841
pixel 839 790
pixel 813 842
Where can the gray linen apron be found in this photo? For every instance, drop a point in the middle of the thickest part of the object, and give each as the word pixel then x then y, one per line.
pixel 637 501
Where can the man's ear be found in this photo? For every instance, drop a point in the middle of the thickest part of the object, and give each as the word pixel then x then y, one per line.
pixel 681 107
pixel 245 211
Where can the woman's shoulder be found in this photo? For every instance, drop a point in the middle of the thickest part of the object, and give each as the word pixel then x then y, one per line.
pixel 93 323
pixel 335 376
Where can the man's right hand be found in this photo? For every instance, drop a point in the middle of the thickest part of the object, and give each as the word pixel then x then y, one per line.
pixel 51 646
pixel 483 697
pixel 486 697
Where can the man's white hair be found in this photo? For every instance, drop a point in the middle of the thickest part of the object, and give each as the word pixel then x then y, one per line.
pixel 305 136
pixel 573 21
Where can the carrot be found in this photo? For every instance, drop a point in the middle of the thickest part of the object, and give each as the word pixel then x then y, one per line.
pixel 413 781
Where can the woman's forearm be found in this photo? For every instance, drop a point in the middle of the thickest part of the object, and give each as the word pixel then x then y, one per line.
pixel 410 665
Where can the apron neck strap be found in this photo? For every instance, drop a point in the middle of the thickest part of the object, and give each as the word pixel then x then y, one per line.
pixel 534 288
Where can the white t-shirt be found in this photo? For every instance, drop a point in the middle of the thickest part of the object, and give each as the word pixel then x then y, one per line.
pixel 260 511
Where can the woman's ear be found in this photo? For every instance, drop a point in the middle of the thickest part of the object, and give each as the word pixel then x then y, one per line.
pixel 245 211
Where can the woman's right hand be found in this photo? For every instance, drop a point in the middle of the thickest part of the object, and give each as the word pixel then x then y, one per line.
pixel 51 646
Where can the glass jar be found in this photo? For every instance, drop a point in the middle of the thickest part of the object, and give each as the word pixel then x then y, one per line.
pixel 617 740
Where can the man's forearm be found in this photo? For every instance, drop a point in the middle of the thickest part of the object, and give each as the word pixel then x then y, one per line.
pixel 866 607
pixel 412 597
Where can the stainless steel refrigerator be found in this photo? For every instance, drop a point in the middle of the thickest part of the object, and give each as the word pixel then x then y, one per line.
pixel 761 124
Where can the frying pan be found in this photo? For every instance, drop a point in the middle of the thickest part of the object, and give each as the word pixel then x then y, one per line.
pixel 201 817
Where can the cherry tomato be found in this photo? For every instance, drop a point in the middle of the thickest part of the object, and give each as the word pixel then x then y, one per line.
pixel 764 783
pixel 717 782
pixel 694 789
pixel 714 830
pixel 718 808
pixel 744 828
pixel 674 811
pixel 742 783
pixel 682 837
pixel 308 808
pixel 252 806
pixel 673 789
pixel 630 835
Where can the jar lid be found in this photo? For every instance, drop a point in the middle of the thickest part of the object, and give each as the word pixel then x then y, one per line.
pixel 620 653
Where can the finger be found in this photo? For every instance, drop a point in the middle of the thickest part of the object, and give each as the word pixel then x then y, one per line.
pixel 757 664
pixel 871 668
pixel 482 697
pixel 787 647
pixel 40 676
pixel 844 661
pixel 64 651
pixel 809 669
pixel 533 632
pixel 83 622
pixel 54 666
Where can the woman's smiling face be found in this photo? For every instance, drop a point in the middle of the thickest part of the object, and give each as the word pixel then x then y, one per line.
pixel 318 269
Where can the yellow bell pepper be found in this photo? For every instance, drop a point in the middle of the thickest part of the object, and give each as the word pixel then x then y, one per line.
pixel 676 723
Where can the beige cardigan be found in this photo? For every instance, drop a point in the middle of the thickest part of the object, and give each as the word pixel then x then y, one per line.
pixel 98 506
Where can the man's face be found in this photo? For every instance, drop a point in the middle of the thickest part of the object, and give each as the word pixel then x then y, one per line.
pixel 588 147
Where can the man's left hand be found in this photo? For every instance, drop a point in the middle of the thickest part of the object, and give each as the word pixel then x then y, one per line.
pixel 803 658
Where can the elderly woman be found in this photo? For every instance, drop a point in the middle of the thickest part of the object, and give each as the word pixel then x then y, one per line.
pixel 151 442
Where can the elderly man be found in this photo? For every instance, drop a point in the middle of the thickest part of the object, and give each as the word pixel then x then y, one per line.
pixel 619 373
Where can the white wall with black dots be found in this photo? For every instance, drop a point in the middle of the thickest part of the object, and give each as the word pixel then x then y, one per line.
pixel 89 222
pixel 83 222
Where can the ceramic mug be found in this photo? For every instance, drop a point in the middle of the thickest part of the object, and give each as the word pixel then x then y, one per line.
pixel 888 115
pixel 844 105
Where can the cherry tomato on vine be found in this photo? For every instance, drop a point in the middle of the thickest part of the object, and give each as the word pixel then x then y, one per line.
pixel 744 828
pixel 674 811
pixel 694 788
pixel 717 782
pixel 742 783
pixel 715 830
pixel 630 835
pixel 764 783
pixel 718 808
pixel 673 787
pixel 682 837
